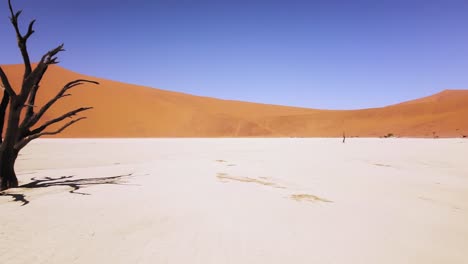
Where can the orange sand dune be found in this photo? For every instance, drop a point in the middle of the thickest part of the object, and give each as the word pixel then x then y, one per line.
pixel 126 110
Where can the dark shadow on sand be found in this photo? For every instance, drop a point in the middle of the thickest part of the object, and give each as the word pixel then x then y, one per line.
pixel 69 181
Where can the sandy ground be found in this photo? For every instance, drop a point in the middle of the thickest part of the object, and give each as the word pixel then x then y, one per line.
pixel 238 201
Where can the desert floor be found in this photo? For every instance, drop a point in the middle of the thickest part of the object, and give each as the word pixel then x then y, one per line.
pixel 238 201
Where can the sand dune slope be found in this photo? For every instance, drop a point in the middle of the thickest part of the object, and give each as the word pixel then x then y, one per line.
pixel 125 110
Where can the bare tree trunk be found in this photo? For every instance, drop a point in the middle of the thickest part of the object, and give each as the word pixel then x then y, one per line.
pixel 18 133
pixel 8 152
pixel 7 169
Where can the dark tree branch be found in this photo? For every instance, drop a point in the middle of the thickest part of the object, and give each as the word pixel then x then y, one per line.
pixel 3 106
pixel 27 123
pixel 30 29
pixel 32 80
pixel 28 139
pixel 6 83
pixel 14 18
pixel 32 97
pixel 50 56
pixel 60 129
pixel 58 119
pixel 30 104
pixel 22 40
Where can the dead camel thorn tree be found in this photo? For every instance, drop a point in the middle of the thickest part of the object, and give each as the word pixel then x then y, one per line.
pixel 22 119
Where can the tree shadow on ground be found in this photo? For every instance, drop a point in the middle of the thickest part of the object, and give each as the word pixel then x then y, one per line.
pixel 69 181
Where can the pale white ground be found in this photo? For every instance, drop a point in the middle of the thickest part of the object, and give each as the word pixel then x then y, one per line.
pixel 232 201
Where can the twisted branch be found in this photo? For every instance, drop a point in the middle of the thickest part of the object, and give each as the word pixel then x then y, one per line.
pixel 22 40
pixel 3 106
pixel 56 120
pixel 23 142
pixel 6 83
pixel 27 123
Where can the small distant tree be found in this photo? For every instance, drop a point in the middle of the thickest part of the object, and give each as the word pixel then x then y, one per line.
pixel 21 125
pixel 389 135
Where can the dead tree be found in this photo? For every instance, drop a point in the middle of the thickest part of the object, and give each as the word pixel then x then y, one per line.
pixel 19 125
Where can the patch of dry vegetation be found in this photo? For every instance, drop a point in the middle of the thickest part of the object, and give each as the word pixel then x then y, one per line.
pixel 225 177
pixel 308 198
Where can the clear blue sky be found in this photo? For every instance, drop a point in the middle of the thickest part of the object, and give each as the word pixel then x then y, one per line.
pixel 321 54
